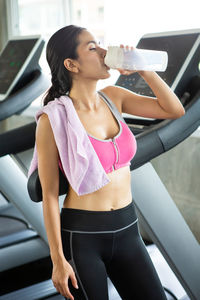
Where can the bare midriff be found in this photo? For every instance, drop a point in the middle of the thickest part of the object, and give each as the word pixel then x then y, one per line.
pixel 114 195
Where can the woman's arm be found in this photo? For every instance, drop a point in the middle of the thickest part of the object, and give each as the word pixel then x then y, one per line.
pixel 165 105
pixel 166 98
pixel 49 177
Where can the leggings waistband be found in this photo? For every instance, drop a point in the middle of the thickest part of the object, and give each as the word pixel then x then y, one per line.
pixel 88 220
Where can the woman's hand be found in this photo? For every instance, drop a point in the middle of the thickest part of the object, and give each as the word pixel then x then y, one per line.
pixel 124 71
pixel 60 275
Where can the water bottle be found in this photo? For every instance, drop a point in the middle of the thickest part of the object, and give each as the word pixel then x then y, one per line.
pixel 136 59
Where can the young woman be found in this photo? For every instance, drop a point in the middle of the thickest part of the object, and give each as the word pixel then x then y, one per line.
pixel 96 235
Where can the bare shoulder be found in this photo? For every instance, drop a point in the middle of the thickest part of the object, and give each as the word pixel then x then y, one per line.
pixel 44 120
pixel 43 124
pixel 115 94
pixel 44 133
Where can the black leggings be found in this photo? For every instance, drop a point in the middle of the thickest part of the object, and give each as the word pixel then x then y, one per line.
pixel 101 244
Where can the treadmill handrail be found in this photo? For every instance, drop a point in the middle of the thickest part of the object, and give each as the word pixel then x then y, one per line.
pixel 15 102
pixel 163 136
pixel 17 237
pixel 18 139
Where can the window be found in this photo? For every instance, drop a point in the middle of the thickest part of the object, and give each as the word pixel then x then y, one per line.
pixel 89 14
pixel 101 13
pixel 46 16
pixel 42 17
pixel 79 15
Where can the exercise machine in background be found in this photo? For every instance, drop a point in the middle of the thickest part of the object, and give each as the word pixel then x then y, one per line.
pixel 21 82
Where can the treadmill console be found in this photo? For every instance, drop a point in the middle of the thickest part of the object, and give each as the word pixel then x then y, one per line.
pixel 181 47
pixel 15 59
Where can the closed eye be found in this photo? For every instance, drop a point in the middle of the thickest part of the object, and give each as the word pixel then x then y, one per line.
pixel 93 49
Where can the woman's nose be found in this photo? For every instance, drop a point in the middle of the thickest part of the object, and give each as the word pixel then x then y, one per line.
pixel 103 52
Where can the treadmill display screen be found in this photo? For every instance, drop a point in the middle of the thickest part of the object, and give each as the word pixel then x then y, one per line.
pixel 12 59
pixel 177 47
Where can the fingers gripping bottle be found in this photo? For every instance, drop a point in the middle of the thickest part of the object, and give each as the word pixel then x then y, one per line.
pixel 136 59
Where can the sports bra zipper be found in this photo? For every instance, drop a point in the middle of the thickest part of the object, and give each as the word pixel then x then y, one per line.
pixel 114 143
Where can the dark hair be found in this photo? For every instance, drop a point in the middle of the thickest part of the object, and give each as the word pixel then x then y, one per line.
pixel 62 44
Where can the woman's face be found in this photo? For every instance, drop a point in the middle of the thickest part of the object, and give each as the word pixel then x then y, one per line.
pixel 90 62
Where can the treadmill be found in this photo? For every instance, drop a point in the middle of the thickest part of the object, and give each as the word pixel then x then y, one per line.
pixel 154 137
pixel 21 82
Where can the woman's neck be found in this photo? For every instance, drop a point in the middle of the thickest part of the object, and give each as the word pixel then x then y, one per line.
pixel 84 96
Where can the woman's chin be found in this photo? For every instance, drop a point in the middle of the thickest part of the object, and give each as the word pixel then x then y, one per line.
pixel 107 75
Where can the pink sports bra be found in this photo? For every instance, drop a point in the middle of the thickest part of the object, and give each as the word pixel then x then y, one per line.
pixel 117 152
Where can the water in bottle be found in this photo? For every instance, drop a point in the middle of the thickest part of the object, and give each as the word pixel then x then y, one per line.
pixel 136 59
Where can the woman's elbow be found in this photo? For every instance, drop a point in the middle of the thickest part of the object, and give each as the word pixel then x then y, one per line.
pixel 50 196
pixel 179 113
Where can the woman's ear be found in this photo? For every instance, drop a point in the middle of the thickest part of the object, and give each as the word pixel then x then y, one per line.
pixel 70 65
